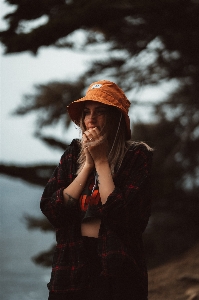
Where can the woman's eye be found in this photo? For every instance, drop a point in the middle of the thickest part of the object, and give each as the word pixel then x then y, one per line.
pixel 97 112
pixel 86 112
pixel 101 112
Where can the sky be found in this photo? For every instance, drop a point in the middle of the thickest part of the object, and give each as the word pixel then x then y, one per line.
pixel 18 75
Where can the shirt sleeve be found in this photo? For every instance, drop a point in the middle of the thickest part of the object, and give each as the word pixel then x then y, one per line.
pixel 52 201
pixel 127 208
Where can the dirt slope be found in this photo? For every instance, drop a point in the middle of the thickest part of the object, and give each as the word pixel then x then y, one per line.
pixel 176 280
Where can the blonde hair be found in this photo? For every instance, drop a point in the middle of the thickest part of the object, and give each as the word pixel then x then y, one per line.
pixel 115 129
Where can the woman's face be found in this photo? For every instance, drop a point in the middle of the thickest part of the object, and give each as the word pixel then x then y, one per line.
pixel 94 115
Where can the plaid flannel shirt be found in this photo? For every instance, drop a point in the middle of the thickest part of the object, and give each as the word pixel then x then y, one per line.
pixel 124 217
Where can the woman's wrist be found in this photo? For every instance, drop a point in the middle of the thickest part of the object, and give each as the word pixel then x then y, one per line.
pixel 72 192
pixel 101 162
pixel 88 167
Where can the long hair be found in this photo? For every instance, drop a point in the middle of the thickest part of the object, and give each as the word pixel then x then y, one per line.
pixel 115 129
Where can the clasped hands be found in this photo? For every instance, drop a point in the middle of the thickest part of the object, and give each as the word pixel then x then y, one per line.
pixel 95 146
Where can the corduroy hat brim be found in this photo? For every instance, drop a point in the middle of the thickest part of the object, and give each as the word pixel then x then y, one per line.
pixel 105 92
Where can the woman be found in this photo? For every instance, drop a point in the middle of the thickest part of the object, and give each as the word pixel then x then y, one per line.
pixel 98 200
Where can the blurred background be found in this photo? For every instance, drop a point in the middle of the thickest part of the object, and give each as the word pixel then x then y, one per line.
pixel 50 52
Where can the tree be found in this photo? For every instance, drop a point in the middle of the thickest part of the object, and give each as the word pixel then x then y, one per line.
pixel 144 43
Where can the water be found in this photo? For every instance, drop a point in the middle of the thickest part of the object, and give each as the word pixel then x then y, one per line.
pixel 20 278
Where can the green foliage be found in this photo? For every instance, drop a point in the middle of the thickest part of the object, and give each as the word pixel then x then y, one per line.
pixel 174 224
pixel 128 27
pixel 50 102
pixel 42 224
pixel 44 258
pixel 36 174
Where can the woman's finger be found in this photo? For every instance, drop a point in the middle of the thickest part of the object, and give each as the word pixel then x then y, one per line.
pixel 92 134
pixel 96 131
pixel 89 136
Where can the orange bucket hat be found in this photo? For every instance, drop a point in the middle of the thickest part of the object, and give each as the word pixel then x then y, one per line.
pixel 105 92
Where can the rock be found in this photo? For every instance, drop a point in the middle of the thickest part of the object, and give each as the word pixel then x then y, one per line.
pixel 193 293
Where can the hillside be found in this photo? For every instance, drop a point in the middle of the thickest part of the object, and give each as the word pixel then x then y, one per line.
pixel 176 280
